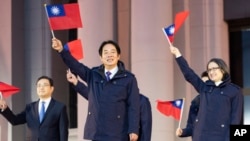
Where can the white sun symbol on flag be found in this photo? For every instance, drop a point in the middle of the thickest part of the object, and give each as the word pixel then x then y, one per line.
pixel 55 10
pixel 171 30
pixel 178 103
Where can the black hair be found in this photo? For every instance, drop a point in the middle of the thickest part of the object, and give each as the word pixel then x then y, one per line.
pixel 204 74
pixel 222 65
pixel 48 78
pixel 109 42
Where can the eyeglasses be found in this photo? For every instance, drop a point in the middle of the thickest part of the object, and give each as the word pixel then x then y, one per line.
pixel 213 69
pixel 44 85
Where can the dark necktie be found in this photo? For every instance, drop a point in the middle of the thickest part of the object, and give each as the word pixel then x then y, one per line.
pixel 42 111
pixel 108 75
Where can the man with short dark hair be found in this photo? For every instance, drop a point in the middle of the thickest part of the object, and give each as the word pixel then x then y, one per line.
pixel 46 118
pixel 113 97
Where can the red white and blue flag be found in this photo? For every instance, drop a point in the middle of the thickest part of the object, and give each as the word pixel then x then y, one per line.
pixel 172 29
pixel 171 108
pixel 63 16
pixel 169 32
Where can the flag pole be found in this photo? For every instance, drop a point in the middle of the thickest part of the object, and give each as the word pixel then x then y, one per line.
pixel 167 37
pixel 52 32
pixel 1 97
pixel 182 107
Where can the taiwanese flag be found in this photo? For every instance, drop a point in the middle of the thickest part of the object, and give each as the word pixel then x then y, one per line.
pixel 179 19
pixel 75 48
pixel 170 108
pixel 7 90
pixel 169 32
pixel 64 16
pixel 172 29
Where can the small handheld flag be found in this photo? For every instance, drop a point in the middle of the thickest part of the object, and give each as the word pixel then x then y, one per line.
pixel 63 16
pixel 172 29
pixel 179 19
pixel 7 90
pixel 170 108
pixel 169 33
pixel 75 48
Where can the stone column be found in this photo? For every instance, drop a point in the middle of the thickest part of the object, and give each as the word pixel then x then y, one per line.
pixel 151 59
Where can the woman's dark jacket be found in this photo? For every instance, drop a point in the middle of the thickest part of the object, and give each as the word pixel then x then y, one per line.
pixel 220 106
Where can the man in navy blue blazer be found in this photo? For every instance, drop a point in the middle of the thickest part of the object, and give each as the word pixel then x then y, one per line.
pixel 113 97
pixel 145 129
pixel 52 125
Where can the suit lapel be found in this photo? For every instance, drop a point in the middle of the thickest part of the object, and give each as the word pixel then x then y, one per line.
pixel 36 109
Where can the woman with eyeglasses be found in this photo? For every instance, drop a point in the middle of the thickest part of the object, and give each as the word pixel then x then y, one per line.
pixel 221 102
